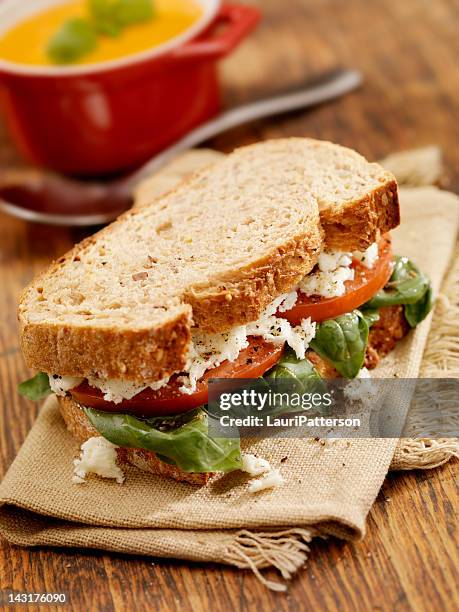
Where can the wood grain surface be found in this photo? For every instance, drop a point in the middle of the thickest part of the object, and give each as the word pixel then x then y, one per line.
pixel 408 52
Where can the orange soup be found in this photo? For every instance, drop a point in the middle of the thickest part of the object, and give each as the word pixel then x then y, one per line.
pixel 27 41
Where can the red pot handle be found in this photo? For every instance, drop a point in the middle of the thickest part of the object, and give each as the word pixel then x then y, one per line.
pixel 239 21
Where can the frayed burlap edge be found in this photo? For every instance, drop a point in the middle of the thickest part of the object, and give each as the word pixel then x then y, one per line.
pixel 424 454
pixel 441 359
pixel 285 550
pixel 288 550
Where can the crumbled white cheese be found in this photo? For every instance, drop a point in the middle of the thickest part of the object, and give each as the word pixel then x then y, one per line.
pixel 288 301
pixel 118 390
pixel 98 456
pixel 369 257
pixel 328 262
pixel 271 480
pixel 210 350
pixel 255 466
pixel 277 331
pixel 114 390
pixel 334 269
pixel 327 284
pixel 61 384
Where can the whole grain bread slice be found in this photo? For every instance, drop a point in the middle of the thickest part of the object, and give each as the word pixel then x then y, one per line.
pixel 79 426
pixel 214 253
pixel 358 201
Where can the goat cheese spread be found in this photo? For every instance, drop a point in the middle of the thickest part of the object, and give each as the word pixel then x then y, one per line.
pixel 113 390
pixel 61 384
pixel 361 389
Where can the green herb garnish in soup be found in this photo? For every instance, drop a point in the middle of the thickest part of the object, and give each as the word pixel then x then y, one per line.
pixel 76 38
pixel 112 16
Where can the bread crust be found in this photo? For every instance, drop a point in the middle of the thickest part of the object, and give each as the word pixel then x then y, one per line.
pixel 144 355
pixel 356 226
pixel 240 298
pixel 80 427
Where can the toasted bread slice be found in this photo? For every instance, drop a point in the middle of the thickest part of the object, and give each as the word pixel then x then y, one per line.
pixel 358 201
pixel 214 253
pixel 80 427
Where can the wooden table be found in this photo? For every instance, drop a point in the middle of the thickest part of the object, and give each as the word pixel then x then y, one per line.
pixel 409 53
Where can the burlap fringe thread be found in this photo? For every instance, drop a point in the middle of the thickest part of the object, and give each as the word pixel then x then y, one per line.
pixel 288 550
pixel 285 550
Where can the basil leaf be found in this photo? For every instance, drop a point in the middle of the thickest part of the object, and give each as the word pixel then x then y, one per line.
pixel 103 14
pixel 181 440
pixel 301 372
pixel 35 388
pixel 75 39
pixel 342 342
pixel 302 376
pixel 417 312
pixel 111 16
pixel 134 11
pixel 407 285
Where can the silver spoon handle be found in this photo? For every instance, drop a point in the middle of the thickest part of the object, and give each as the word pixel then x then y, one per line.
pixel 337 84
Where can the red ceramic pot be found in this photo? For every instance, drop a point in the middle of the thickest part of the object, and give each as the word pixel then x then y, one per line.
pixel 110 117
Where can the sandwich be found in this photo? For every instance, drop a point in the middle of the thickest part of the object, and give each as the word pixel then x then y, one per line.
pixel 275 259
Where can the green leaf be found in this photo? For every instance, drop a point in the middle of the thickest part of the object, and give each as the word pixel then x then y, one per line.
pixel 407 286
pixel 417 312
pixel 134 11
pixel 181 440
pixel 104 16
pixel 371 315
pixel 300 371
pixel 302 376
pixel 75 39
pixel 35 388
pixel 342 342
pixel 111 16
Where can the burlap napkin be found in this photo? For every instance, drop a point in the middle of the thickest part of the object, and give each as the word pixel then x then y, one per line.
pixel 329 486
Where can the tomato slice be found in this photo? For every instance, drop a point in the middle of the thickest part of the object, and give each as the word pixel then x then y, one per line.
pixel 358 291
pixel 252 362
